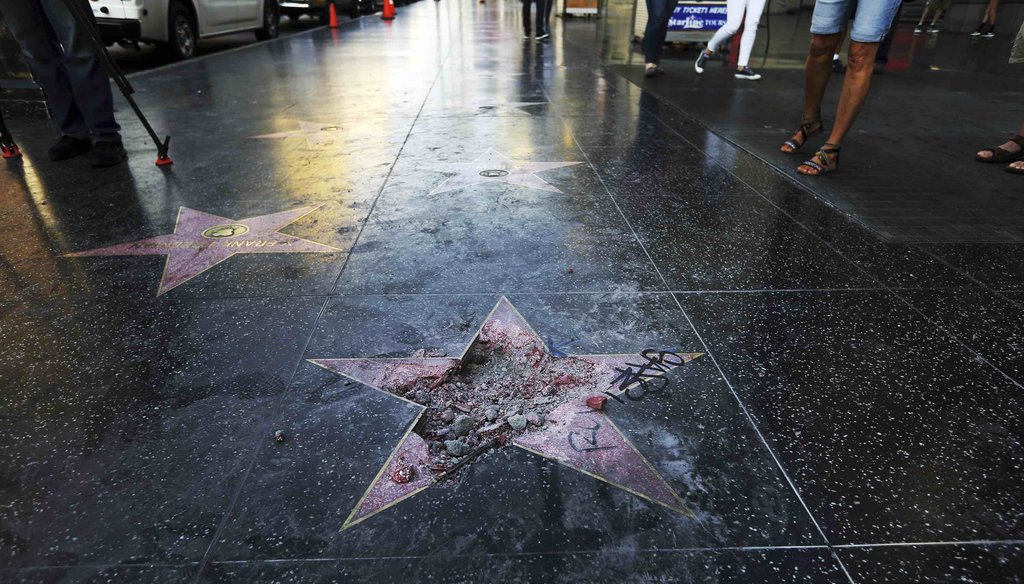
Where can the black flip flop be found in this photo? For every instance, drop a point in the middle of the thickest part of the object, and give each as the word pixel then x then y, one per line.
pixel 1000 155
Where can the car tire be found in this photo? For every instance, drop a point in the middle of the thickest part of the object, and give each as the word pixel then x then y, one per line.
pixel 271 21
pixel 182 34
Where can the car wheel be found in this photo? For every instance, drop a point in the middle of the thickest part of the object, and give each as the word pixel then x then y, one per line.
pixel 183 40
pixel 271 21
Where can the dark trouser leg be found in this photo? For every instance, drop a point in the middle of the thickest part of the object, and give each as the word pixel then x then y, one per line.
pixel 42 51
pixel 541 9
pixel 658 14
pixel 526 17
pixel 549 6
pixel 88 79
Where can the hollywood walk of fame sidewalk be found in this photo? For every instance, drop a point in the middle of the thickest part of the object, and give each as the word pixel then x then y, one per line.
pixel 376 239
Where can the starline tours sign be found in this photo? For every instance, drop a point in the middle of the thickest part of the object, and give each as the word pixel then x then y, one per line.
pixel 708 16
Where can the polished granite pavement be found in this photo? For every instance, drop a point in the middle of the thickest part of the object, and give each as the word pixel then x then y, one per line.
pixel 353 209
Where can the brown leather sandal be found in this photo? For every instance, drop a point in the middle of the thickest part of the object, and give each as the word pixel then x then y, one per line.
pixel 823 162
pixel 807 129
pixel 1000 155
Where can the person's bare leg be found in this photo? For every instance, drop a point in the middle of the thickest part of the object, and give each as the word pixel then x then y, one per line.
pixel 1009 146
pixel 817 71
pixel 935 18
pixel 855 90
pixel 920 23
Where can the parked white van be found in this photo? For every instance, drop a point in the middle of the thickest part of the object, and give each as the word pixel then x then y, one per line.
pixel 179 25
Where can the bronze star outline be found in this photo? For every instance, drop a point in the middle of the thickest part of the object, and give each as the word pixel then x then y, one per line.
pixel 620 465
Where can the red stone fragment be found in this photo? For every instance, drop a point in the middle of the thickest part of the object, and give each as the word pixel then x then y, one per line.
pixel 563 379
pixel 596 402
pixel 403 474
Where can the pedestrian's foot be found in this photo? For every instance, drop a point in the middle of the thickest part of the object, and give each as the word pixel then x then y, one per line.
pixel 747 73
pixel 653 70
pixel 981 28
pixel 526 36
pixel 823 162
pixel 69 147
pixel 698 66
pixel 807 129
pixel 918 29
pixel 1016 167
pixel 544 37
pixel 108 154
pixel 1009 151
pixel 991 32
pixel 933 30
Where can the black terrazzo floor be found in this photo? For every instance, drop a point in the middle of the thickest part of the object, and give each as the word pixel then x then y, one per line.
pixel 856 415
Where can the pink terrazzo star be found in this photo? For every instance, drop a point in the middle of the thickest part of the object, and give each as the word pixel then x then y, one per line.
pixel 572 434
pixel 201 241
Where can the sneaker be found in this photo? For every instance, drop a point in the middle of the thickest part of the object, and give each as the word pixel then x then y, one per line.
pixel 108 154
pixel 69 147
pixel 991 32
pixel 526 36
pixel 653 70
pixel 544 37
pixel 747 73
pixel 980 29
pixel 698 65
pixel 837 65
pixel 918 30
pixel 933 30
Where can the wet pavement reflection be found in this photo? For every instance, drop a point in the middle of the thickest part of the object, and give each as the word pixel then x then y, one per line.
pixel 406 245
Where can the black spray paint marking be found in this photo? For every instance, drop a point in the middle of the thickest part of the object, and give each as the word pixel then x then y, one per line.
pixel 636 380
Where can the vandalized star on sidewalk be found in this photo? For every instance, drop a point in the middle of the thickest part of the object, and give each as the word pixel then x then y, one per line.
pixel 201 241
pixel 493 166
pixel 507 388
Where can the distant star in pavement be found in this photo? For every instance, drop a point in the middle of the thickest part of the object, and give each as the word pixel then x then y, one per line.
pixel 493 166
pixel 314 133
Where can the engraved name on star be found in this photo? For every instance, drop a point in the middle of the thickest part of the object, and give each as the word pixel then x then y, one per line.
pixel 493 166
pixel 572 434
pixel 201 241
pixel 313 132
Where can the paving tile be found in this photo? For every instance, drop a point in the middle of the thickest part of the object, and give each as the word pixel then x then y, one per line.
pixel 891 431
pixel 936 563
pixel 130 426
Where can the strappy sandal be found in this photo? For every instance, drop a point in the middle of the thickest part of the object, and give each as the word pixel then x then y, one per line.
pixel 823 162
pixel 1001 155
pixel 1015 169
pixel 807 129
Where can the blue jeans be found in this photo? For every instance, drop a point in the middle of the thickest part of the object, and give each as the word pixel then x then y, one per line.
pixel 65 66
pixel 658 14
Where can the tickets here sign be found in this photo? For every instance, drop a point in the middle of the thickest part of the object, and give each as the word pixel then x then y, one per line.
pixel 708 16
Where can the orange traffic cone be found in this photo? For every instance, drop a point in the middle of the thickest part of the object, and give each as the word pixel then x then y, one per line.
pixel 389 10
pixel 333 16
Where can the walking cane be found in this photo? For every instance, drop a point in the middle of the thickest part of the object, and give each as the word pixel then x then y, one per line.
pixel 85 21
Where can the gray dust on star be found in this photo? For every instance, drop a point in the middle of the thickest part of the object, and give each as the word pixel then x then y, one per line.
pixel 493 166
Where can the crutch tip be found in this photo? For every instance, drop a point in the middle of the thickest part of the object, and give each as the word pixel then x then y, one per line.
pixel 164 160
pixel 11 152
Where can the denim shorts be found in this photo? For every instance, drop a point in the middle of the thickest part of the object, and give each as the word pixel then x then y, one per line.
pixel 871 18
